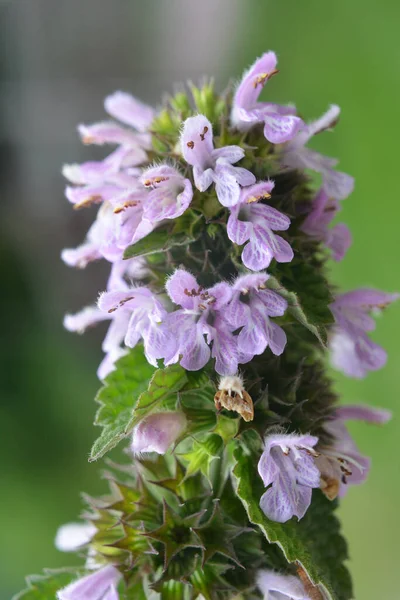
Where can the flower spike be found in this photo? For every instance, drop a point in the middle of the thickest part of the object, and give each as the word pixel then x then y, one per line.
pixel 214 369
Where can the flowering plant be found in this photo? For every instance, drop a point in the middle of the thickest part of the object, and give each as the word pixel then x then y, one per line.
pixel 220 322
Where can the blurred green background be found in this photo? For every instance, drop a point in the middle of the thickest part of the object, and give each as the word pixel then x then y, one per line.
pixel 58 60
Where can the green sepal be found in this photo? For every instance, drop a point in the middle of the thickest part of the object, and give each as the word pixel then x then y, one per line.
pixel 137 504
pixel 186 229
pixel 165 129
pixel 180 103
pixel 135 544
pixel 216 535
pixel 176 533
pixel 313 543
pixel 172 484
pixel 179 570
pixel 127 496
pixel 227 427
pixel 173 590
pixel 203 454
pixel 136 590
pixel 209 582
pixel 209 206
pixel 207 102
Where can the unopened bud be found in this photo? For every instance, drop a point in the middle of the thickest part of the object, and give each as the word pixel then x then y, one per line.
pixel 157 432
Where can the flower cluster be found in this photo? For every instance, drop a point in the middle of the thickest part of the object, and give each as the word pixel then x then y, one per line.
pixel 203 297
pixel 231 323
pixel 292 467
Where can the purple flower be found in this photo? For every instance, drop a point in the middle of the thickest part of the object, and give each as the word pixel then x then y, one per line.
pixel 352 350
pixel 137 314
pixel 91 315
pixel 108 132
pixel 250 308
pixel 112 231
pixel 323 211
pixel 253 222
pixel 213 165
pixel 72 536
pixel 98 181
pixel 126 270
pixel 170 193
pixel 101 242
pixel 132 207
pixel 83 320
pixel 336 184
pixel 129 110
pixel 287 466
pixel 163 194
pixel 201 315
pixel 157 432
pixel 280 125
pixel 100 585
pixel 275 586
pixel 341 463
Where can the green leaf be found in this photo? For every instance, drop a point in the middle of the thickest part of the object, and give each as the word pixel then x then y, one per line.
pixel 44 587
pixel 314 543
pixel 185 231
pixel 163 386
pixel 117 399
pixel 304 316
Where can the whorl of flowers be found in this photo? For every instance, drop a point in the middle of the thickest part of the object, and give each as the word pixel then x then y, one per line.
pixel 217 241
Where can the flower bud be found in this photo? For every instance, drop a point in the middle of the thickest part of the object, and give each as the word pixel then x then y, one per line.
pixel 157 432
pixel 72 536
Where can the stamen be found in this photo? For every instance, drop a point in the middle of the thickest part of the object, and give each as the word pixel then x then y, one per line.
pixel 190 145
pixel 87 140
pixel 202 135
pixel 95 199
pixel 263 78
pixel 120 304
pixel 150 182
pixel 310 451
pixel 192 294
pixel 252 199
pixel 124 206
